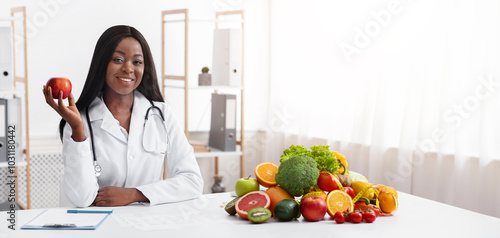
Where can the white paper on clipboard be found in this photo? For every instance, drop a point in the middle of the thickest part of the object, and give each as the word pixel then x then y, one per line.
pixel 61 216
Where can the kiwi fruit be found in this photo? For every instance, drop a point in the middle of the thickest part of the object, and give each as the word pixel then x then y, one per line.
pixel 231 206
pixel 259 214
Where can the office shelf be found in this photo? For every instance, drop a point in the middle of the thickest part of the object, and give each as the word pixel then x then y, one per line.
pixel 216 153
pixel 212 88
pixel 19 14
pixel 165 78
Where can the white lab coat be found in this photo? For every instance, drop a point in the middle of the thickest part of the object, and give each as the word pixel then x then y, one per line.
pixel 124 161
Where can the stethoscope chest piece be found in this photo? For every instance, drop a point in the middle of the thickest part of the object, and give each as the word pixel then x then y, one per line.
pixel 97 169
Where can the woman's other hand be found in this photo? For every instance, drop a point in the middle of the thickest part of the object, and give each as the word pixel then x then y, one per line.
pixel 116 196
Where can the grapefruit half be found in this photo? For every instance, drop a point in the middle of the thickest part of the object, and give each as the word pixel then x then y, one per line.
pixel 251 200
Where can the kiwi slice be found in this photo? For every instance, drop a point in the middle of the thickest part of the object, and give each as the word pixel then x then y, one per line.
pixel 231 206
pixel 259 214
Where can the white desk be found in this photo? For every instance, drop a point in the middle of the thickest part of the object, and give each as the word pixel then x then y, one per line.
pixel 204 217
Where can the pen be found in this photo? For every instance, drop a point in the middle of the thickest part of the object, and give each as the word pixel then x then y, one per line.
pixel 59 225
pixel 90 211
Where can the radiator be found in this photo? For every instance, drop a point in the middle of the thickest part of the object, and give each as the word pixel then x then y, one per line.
pixel 45 173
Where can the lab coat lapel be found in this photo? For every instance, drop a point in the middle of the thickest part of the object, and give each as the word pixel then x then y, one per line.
pixel 112 126
pixel 109 123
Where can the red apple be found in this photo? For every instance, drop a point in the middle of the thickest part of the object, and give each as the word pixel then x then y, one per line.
pixel 313 208
pixel 59 84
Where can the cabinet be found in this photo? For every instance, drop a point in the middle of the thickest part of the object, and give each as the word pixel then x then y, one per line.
pixel 182 17
pixel 12 133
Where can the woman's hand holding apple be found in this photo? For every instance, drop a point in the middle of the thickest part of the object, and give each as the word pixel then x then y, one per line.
pixel 69 113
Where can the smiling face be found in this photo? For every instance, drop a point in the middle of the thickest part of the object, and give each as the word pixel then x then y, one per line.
pixel 125 70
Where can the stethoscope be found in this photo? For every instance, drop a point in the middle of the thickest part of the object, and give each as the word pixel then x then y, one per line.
pixel 157 146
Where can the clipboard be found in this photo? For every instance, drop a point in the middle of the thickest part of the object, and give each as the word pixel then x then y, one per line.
pixel 61 219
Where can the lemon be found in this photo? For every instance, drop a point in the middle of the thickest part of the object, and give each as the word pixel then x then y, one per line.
pixel 359 186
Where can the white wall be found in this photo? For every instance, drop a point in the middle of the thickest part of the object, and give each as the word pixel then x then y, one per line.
pixel 62 36
pixel 61 40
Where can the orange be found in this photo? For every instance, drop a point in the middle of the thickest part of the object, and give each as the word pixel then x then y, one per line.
pixel 277 194
pixel 383 187
pixel 265 173
pixel 388 198
pixel 338 201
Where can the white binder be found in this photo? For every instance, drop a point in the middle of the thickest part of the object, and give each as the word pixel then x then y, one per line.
pixel 6 67
pixel 227 56
pixel 11 136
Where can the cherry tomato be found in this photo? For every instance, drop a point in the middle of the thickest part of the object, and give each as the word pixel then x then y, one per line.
pixel 327 182
pixel 350 191
pixel 347 215
pixel 369 216
pixel 375 209
pixel 356 217
pixel 339 217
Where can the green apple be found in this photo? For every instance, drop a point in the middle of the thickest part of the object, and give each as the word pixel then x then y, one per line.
pixel 245 185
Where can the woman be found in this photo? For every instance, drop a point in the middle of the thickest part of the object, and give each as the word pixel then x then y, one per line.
pixel 120 90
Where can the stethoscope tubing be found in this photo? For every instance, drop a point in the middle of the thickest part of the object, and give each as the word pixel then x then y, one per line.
pixel 97 167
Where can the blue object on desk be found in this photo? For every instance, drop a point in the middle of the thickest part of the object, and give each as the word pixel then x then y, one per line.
pixel 90 211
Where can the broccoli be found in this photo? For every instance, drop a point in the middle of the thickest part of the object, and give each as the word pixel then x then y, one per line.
pixel 298 175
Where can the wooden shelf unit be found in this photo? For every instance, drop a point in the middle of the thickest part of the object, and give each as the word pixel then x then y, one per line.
pixel 24 80
pixel 186 20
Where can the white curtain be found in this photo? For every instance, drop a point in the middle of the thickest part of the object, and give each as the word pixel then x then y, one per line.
pixel 409 91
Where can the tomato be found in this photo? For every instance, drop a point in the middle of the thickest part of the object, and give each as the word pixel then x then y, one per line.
pixel 376 210
pixel 362 206
pixel 369 216
pixel 339 217
pixel 350 191
pixel 356 217
pixel 347 215
pixel 327 182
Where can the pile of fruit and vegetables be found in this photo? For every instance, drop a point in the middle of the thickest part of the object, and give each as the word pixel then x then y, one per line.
pixel 311 182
